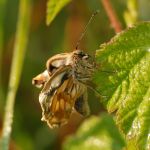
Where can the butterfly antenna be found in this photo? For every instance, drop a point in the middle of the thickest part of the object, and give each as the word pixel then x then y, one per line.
pixel 83 33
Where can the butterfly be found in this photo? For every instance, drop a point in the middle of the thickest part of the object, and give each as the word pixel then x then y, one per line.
pixel 64 86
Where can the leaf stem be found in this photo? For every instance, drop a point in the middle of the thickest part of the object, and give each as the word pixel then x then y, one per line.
pixel 16 69
pixel 112 15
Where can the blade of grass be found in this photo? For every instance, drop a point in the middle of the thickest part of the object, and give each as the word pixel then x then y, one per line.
pixel 2 15
pixel 16 69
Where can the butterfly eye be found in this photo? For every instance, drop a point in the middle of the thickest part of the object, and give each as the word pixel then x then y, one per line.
pixel 79 53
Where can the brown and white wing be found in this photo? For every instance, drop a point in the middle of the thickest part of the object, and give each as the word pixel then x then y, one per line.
pixel 64 100
pixel 58 61
pixel 56 102
pixel 61 105
pixel 41 79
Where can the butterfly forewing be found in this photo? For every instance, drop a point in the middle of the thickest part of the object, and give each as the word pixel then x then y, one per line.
pixel 58 97
pixel 58 61
pixel 41 79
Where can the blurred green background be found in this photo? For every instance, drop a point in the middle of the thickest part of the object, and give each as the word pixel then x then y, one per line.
pixel 29 133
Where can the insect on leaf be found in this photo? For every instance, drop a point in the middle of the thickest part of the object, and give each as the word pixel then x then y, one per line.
pixel 124 77
pixel 53 8
pixel 64 86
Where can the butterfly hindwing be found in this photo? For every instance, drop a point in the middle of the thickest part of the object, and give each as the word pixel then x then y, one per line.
pixel 81 104
pixel 61 106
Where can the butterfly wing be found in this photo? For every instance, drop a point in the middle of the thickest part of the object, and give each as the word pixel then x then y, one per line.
pixel 58 61
pixel 57 99
pixel 61 105
pixel 51 86
pixel 81 104
pixel 40 79
pixel 63 102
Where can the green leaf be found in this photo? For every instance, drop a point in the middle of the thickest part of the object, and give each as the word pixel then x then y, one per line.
pixel 124 81
pixel 96 133
pixel 53 8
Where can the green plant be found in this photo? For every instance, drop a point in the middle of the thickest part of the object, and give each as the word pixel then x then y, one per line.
pixel 97 132
pixel 16 69
pixel 123 80
pixel 127 57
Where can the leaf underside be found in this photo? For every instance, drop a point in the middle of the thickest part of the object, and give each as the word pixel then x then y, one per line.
pixel 124 81
pixel 53 8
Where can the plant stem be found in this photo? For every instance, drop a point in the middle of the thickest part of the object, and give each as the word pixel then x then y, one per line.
pixel 2 15
pixel 112 16
pixel 16 69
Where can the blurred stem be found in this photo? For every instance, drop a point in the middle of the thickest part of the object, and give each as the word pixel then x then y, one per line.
pixel 131 14
pixel 2 15
pixel 16 69
pixel 112 15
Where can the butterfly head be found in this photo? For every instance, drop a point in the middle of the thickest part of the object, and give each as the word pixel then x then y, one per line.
pixel 83 65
